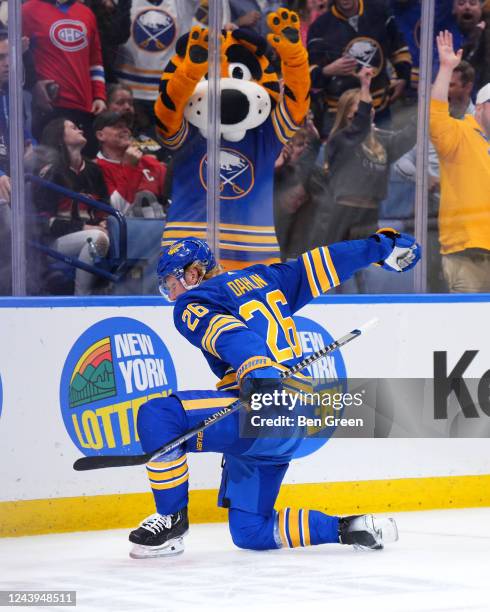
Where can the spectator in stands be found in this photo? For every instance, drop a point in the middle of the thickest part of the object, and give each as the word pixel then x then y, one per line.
pixel 463 149
pixel 69 226
pixel 120 100
pixel 135 181
pixel 68 63
pixel 407 16
pixel 253 14
pixel 460 88
pixel 308 11
pixel 472 34
pixel 302 200
pixel 351 35
pixel 114 23
pixel 155 27
pixel 5 186
pixel 359 158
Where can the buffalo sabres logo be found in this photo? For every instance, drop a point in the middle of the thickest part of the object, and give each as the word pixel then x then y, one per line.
pixel 154 30
pixel 367 52
pixel 236 174
pixel 175 248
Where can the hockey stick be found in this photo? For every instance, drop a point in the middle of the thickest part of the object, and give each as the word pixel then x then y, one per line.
pixel 104 461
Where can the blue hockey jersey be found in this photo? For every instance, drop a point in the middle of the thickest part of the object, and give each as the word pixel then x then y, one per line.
pixel 246 189
pixel 243 320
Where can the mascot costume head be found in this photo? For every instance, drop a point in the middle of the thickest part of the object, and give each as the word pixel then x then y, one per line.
pixel 258 116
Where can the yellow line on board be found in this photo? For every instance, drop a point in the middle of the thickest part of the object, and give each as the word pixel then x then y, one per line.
pixel 57 515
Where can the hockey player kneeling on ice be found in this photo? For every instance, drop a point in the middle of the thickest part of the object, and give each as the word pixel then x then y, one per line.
pixel 242 321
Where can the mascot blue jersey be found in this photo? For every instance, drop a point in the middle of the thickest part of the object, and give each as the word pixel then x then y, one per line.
pixel 246 183
pixel 243 320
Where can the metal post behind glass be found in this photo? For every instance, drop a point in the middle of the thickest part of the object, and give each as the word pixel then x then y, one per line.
pixel 214 120
pixel 16 146
pixel 422 150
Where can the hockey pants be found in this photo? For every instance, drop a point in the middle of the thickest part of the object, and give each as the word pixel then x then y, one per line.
pixel 251 478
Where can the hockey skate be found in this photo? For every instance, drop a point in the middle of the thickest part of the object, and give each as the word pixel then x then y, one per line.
pixel 367 532
pixel 160 535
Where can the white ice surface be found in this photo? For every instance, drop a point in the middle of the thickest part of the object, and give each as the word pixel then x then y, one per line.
pixel 441 563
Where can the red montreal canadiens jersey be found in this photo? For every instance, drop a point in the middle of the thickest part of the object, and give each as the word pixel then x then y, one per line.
pixel 246 188
pixel 66 48
pixel 124 181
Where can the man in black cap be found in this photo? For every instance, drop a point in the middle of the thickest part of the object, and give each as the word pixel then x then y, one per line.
pixel 135 181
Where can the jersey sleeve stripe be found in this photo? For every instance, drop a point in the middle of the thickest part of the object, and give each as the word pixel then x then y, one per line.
pixel 309 273
pixel 286 117
pixel 280 126
pixel 286 129
pixel 215 325
pixel 208 334
pixel 277 129
pixel 320 271
pixel 220 331
pixel 332 272
pixel 174 142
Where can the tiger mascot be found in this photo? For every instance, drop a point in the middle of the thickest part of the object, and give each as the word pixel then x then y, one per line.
pixel 256 121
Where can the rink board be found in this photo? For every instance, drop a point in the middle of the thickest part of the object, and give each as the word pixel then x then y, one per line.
pixel 73 374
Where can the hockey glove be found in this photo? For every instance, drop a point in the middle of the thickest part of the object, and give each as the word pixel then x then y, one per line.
pixel 405 254
pixel 258 383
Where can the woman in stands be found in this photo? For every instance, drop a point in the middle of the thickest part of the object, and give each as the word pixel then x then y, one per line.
pixel 359 158
pixel 73 228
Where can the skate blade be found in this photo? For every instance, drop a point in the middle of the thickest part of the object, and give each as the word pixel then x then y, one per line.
pixel 169 549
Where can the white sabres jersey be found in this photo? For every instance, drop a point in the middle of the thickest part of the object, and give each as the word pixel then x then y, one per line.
pixel 155 28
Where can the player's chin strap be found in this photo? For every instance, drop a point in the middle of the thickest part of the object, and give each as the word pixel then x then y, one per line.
pixel 186 286
pixel 103 461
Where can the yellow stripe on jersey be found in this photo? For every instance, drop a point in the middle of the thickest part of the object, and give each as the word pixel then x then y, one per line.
pixel 248 238
pixel 331 268
pixel 283 132
pixel 293 527
pixel 175 141
pixel 320 271
pixel 284 122
pixel 218 325
pixel 170 485
pixel 168 475
pixel 309 273
pixel 286 117
pixel 213 324
pixel 220 331
pixel 203 404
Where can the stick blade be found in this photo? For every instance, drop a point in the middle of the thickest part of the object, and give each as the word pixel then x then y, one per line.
pixel 368 325
pixel 99 462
